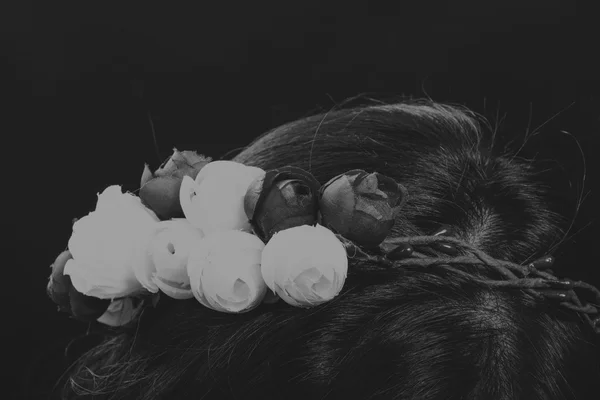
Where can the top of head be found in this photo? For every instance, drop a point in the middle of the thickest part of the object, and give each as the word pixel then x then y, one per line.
pixel 392 330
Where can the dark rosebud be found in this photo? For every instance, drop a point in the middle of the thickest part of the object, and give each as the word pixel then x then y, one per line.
pixel 404 250
pixel 362 207
pixel 160 191
pixel 59 284
pixel 86 308
pixel 280 199
pixel 68 299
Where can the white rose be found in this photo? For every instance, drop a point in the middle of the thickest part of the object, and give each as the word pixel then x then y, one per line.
pixel 305 265
pixel 215 200
pixel 103 244
pixel 121 312
pixel 163 257
pixel 224 271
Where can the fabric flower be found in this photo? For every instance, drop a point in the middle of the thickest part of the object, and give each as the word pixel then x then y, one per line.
pixel 224 271
pixel 121 312
pixel 360 206
pixel 280 199
pixel 159 191
pixel 59 284
pixel 104 242
pixel 163 257
pixel 305 265
pixel 215 200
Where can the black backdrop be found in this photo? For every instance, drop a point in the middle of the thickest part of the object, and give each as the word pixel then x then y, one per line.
pixel 83 78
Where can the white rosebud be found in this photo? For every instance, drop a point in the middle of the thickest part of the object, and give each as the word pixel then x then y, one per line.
pixel 215 200
pixel 120 312
pixel 104 242
pixel 224 271
pixel 162 259
pixel 305 265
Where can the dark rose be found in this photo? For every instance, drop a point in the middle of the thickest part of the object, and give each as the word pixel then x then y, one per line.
pixel 281 199
pixel 160 191
pixel 360 206
pixel 68 299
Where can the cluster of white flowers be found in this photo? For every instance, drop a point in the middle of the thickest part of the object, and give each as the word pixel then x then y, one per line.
pixel 122 249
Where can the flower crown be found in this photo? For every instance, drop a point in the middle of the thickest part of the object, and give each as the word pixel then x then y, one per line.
pixel 234 236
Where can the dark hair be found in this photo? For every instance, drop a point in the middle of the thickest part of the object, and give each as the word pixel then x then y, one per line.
pixel 392 333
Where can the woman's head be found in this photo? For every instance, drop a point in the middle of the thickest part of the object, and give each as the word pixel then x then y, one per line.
pixel 392 333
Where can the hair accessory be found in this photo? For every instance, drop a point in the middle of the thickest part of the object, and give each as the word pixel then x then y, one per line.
pixel 444 230
pixel 538 282
pixel 281 199
pixel 545 262
pixel 159 191
pixel 62 292
pixel 403 250
pixel 214 200
pixel 234 237
pixel 362 207
pixel 446 248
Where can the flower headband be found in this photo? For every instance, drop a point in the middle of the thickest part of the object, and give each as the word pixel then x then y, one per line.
pixel 234 236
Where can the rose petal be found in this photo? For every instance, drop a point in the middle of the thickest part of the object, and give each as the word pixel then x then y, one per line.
pixel 305 265
pixel 86 308
pixel 172 290
pixel 171 248
pixel 196 263
pixel 287 297
pixel 59 284
pixel 104 242
pixel 219 201
pixel 187 192
pixel 121 312
pixel 233 290
pixel 142 265
pixel 161 195
pixel 96 282
pixel 225 265
pixel 161 260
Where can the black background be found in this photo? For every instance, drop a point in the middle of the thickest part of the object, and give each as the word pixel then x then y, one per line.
pixel 82 79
